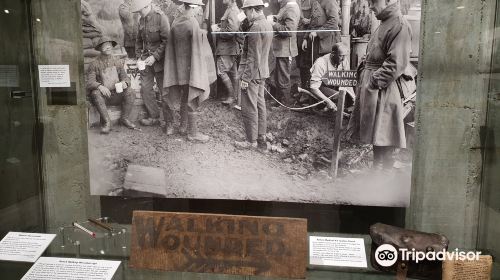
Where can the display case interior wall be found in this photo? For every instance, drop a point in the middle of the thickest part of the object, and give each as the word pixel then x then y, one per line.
pixel 489 229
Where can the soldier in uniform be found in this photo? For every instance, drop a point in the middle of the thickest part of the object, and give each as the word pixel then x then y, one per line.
pixel 228 50
pixel 305 20
pixel 154 28
pixel 130 23
pixel 378 117
pixel 285 46
pixel 103 76
pixel 188 72
pixel 329 62
pixel 324 16
pixel 255 69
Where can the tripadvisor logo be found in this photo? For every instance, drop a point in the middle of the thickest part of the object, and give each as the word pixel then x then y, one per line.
pixel 386 255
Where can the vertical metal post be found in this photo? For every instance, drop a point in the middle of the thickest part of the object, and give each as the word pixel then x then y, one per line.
pixel 337 132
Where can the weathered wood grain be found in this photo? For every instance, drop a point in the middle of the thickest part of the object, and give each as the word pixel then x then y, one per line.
pixel 243 245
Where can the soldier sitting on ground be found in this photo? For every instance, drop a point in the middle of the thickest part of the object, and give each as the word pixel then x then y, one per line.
pixel 107 82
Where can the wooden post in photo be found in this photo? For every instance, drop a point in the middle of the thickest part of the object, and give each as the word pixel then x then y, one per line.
pixel 346 16
pixel 339 115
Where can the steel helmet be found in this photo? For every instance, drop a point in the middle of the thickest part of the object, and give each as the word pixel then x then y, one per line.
pixel 252 3
pixel 138 5
pixel 103 40
pixel 193 2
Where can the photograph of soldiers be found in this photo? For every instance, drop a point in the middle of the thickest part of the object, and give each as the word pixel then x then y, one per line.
pixel 154 29
pixel 336 60
pixel 361 19
pixel 227 51
pixel 285 47
pixel 107 83
pixel 255 69
pixel 187 73
pixel 305 20
pixel 174 8
pixel 378 112
pixel 324 16
pixel 272 61
pixel 171 8
pixel 130 23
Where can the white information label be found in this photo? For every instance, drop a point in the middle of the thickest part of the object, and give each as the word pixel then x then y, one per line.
pixel 9 76
pixel 54 76
pixel 337 251
pixel 23 246
pixel 71 269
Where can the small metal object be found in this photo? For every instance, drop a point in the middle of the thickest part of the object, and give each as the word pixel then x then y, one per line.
pixel 77 245
pixel 63 237
pixel 89 232
pixel 99 224
pixel 124 231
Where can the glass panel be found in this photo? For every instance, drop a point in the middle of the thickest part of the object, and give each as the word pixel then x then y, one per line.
pixel 490 211
pixel 20 207
pixel 65 159
pixel 20 199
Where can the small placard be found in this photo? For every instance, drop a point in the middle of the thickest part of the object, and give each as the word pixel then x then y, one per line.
pixel 9 76
pixel 337 251
pixel 53 76
pixel 479 269
pixel 342 78
pixel 205 243
pixel 23 246
pixel 71 269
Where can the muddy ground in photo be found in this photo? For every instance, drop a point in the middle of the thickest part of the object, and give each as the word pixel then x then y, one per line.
pixel 295 171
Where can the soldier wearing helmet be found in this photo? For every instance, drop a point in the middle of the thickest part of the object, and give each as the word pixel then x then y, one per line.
pixel 107 82
pixel 150 44
pixel 254 70
pixel 188 73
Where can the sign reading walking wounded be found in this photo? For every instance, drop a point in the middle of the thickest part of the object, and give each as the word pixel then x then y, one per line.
pixel 206 243
pixel 342 78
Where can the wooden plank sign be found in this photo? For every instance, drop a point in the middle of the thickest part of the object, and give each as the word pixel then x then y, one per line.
pixel 206 243
pixel 342 78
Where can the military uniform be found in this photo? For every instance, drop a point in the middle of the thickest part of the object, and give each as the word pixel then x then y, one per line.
pixel 169 8
pixel 152 39
pixel 107 71
pixel 254 70
pixel 188 73
pixel 305 18
pixel 285 46
pixel 324 16
pixel 228 50
pixel 130 23
pixel 378 112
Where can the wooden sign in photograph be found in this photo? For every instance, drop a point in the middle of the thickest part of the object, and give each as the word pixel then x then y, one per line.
pixel 207 243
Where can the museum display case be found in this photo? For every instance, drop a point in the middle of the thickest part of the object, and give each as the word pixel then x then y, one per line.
pixel 61 175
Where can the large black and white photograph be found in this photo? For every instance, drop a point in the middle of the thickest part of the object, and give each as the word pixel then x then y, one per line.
pixel 309 101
